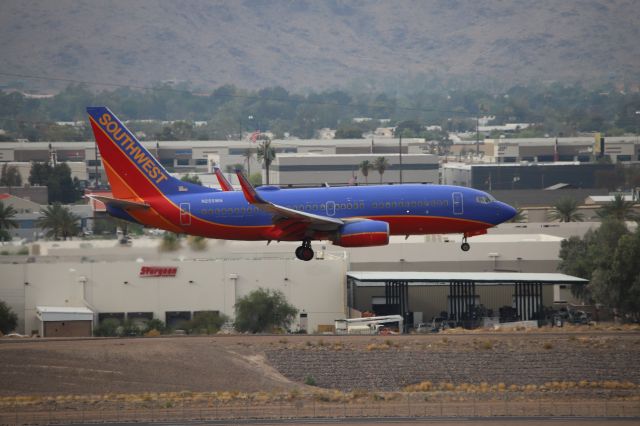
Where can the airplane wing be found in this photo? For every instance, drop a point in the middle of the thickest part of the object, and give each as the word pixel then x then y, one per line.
pixel 285 215
pixel 224 183
pixel 115 202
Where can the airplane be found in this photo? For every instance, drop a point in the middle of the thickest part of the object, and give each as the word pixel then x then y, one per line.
pixel 353 216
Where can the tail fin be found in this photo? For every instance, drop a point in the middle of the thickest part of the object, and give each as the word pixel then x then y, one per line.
pixel 224 183
pixel 132 171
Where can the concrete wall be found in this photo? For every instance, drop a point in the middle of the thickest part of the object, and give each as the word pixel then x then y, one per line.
pixel 316 287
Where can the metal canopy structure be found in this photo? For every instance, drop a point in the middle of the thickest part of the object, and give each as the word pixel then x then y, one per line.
pixel 462 297
pixel 368 278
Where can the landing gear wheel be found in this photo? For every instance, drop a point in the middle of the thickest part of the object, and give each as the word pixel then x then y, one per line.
pixel 465 245
pixel 305 252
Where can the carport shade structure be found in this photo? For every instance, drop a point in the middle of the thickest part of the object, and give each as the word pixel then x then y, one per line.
pixel 462 296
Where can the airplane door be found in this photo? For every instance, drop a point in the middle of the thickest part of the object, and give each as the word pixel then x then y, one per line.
pixel 185 214
pixel 458 207
pixel 331 208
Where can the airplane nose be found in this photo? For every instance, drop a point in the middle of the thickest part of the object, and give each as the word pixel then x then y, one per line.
pixel 506 212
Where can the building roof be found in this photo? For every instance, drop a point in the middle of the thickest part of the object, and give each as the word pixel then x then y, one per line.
pixel 64 313
pixel 444 278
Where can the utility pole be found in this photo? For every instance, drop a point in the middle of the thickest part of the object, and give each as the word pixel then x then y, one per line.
pixel 400 155
pixel 478 136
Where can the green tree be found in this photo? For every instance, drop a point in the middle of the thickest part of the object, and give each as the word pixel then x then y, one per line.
pixel 566 210
pixel 618 208
pixel 191 179
pixel 8 318
pixel 266 154
pixel 170 242
pixel 618 284
pixel 10 176
pixel 264 310
pixel 248 156
pixel 365 166
pixel 59 222
pixel 7 213
pixel 381 164
pixel 348 132
pixel 61 187
pixel 591 256
pixel 197 243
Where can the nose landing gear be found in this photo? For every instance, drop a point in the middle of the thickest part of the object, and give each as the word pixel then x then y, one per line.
pixel 465 245
pixel 305 252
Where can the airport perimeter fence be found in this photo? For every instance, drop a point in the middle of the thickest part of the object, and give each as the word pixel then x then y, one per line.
pixel 415 405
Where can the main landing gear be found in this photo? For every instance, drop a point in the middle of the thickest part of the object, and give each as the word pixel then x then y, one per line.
pixel 465 245
pixel 305 252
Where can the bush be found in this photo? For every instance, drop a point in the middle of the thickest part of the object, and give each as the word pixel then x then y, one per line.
pixel 107 328
pixel 8 318
pixel 206 323
pixel 157 325
pixel 310 380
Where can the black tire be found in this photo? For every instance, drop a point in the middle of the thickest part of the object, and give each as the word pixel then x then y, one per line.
pixel 299 252
pixel 307 254
pixel 465 246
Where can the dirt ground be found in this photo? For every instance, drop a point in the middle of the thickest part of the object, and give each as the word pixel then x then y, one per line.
pixel 591 374
pixel 281 363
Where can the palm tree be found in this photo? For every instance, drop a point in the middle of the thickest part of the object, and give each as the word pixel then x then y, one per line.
pixel 365 166
pixel 6 221
pixel 618 209
pixel 58 221
pixel 381 164
pixel 248 155
pixel 566 210
pixel 266 155
pixel 520 216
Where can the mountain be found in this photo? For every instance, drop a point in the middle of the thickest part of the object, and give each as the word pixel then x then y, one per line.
pixel 309 44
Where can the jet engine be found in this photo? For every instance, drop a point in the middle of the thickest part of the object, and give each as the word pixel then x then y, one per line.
pixel 364 233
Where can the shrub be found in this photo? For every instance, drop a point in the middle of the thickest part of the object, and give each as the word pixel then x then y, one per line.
pixel 107 328
pixel 8 318
pixel 206 323
pixel 310 380
pixel 155 324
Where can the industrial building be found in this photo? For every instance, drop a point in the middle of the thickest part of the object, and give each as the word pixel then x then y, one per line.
pixel 513 176
pixel 60 280
pixel 466 297
pixel 338 169
pixel 195 156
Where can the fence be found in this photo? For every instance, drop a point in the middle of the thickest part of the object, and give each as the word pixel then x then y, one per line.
pixel 404 405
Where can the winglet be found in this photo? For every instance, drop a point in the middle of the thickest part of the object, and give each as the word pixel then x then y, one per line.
pixel 224 183
pixel 248 190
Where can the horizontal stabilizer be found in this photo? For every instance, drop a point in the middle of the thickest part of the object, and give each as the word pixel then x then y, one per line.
pixel 115 202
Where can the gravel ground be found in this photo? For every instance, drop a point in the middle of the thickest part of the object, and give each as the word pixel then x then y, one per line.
pixel 393 363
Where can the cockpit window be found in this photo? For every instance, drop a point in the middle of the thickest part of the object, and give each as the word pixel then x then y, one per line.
pixel 483 199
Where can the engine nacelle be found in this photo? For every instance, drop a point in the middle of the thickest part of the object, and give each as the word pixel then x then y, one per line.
pixel 365 233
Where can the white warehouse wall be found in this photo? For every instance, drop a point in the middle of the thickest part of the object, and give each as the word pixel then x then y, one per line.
pixel 316 287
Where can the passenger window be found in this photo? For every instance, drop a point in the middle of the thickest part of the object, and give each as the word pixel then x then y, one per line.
pixel 217 211
pixel 362 204
pixel 349 206
pixel 413 204
pixel 388 204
